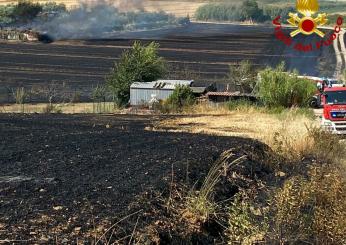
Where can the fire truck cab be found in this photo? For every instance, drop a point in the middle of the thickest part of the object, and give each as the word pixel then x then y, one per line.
pixel 333 99
pixel 322 83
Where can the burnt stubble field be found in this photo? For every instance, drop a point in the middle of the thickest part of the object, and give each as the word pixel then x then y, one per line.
pixel 63 176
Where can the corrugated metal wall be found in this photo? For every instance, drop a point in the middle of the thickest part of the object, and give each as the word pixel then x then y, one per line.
pixel 143 96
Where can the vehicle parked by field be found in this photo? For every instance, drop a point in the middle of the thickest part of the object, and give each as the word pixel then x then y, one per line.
pixel 321 83
pixel 334 109
pixel 331 97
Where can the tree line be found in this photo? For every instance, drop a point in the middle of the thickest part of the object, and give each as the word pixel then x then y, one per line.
pixel 249 10
pixel 25 11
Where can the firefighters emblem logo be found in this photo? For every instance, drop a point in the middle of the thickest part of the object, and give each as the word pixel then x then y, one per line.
pixel 307 24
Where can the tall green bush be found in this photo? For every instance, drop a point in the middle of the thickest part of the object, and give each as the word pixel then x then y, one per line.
pixel 182 97
pixel 6 14
pixel 279 88
pixel 139 64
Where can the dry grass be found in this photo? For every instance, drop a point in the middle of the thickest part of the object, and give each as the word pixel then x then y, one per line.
pixel 200 204
pixel 250 122
pixel 291 134
pixel 302 200
pixel 67 108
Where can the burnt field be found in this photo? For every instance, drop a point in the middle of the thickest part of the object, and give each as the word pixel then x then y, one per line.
pixel 205 49
pixel 67 177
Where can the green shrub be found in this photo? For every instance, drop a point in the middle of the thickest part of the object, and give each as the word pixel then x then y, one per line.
pixel 181 98
pixel 6 14
pixel 25 11
pixel 278 88
pixel 139 64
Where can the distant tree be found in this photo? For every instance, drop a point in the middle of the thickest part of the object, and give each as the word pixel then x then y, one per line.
pixel 139 64
pixel 25 11
pixel 243 75
pixel 6 15
pixel 250 10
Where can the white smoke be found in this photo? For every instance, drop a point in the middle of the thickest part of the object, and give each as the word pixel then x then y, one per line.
pixel 121 5
pixel 102 19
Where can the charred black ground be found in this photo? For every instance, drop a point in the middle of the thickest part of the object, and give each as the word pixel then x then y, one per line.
pixel 61 173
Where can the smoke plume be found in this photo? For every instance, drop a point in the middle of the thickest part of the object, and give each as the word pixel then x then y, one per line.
pixel 121 5
pixel 102 19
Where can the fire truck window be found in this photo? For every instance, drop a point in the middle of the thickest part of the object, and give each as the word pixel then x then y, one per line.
pixel 336 97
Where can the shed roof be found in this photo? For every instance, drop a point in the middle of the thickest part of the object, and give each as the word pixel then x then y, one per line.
pixel 161 84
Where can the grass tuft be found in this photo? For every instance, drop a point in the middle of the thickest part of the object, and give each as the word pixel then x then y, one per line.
pixel 200 204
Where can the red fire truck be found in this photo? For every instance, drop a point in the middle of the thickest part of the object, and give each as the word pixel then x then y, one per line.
pixel 331 96
pixel 334 109
pixel 321 83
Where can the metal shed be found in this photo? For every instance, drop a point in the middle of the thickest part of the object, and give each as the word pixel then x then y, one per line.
pixel 142 93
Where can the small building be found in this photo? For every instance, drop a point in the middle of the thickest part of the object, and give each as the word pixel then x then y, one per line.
pixel 142 92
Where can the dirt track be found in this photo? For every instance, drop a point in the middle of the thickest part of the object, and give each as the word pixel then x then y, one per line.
pixel 207 49
pixel 60 172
